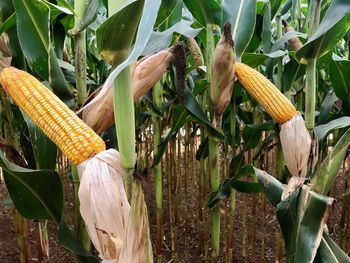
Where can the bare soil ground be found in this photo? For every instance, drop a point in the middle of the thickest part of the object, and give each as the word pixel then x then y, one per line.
pixel 264 226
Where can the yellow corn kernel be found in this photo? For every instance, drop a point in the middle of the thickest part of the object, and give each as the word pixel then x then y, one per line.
pixel 76 140
pixel 265 93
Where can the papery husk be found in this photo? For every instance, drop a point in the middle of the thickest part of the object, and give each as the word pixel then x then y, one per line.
pixel 196 54
pixel 148 71
pixel 99 115
pixel 5 53
pixel 103 203
pixel 296 144
pixel 294 43
pixel 223 69
pixel 119 232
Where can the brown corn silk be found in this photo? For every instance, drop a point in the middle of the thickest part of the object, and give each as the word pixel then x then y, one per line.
pixel 109 218
pixel 99 115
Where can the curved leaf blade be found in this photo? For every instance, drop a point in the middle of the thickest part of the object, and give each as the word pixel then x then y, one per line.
pixel 241 14
pixel 333 27
pixel 205 11
pixel 37 194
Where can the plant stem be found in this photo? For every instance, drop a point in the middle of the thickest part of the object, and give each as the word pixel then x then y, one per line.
pixel 80 229
pixel 215 186
pixel 80 66
pixel 310 91
pixel 21 225
pixel 157 99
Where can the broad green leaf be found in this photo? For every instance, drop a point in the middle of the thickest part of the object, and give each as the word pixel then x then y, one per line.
pixel 287 36
pixel 325 176
pixel 333 27
pixel 165 9
pixel 322 130
pixel 252 133
pixel 9 23
pixel 330 252
pixel 67 239
pixel 33 34
pixel 286 7
pixel 44 149
pixel 205 11
pixel 326 106
pixel 266 28
pixel 292 71
pixel 241 14
pixel 90 14
pixel 37 194
pixel 340 78
pixel 255 59
pixel 110 45
pixel 311 226
pixel 193 107
pixel 161 40
pixel 271 186
pixel 144 32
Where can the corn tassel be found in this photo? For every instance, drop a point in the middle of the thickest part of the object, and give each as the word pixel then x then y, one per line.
pixel 76 140
pixel 265 93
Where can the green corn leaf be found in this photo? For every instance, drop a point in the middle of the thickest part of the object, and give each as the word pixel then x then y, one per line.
pixel 327 172
pixel 33 34
pixel 205 11
pixel 241 14
pixel 37 194
pixel 334 25
pixel 322 130
pixel 165 9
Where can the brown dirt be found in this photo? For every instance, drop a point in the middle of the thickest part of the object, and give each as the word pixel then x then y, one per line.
pixel 188 226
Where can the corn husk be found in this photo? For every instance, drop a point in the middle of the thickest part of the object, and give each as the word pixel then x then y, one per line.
pixel 148 72
pixel 98 113
pixel 5 53
pixel 103 203
pixel 296 144
pixel 119 232
pixel 196 54
pixel 223 69
pixel 294 43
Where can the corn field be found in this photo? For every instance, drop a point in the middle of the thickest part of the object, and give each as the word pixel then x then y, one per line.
pixel 138 131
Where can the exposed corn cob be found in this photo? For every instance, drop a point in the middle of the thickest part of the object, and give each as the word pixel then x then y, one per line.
pixel 223 69
pixel 77 141
pixel 267 94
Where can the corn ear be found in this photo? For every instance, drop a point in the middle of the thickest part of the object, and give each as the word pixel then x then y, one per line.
pixel 223 69
pixel 265 93
pixel 149 71
pixel 294 43
pixel 76 140
pixel 196 54
pixel 100 115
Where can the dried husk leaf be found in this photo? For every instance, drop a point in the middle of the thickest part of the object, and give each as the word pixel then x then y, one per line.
pixel 223 69
pixel 294 43
pixel 148 72
pixel 99 115
pixel 296 145
pixel 103 203
pixel 5 53
pixel 196 54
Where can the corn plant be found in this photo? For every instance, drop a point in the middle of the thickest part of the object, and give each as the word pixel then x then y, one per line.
pixel 205 99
